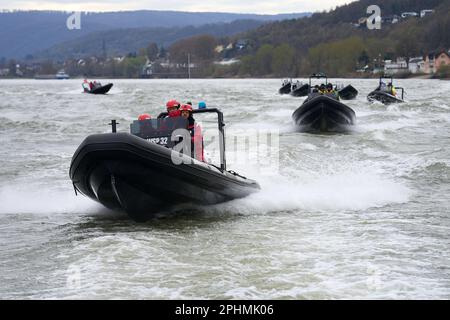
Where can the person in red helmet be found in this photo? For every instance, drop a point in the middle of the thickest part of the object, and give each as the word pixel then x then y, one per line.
pixel 197 145
pixel 145 127
pixel 173 108
pixel 144 116
pixel 186 112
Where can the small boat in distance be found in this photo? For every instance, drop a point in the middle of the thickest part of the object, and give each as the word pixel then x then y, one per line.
pixel 386 94
pixel 300 89
pixel 94 87
pixel 61 75
pixel 286 87
pixel 322 111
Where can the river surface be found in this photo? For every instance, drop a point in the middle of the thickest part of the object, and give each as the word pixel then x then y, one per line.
pixel 363 215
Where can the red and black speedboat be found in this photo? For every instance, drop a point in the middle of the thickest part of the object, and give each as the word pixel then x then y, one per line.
pixel 96 88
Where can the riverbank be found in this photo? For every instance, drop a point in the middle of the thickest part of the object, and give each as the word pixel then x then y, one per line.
pixel 359 76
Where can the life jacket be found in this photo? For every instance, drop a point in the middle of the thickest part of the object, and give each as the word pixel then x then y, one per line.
pixel 197 145
pixel 174 114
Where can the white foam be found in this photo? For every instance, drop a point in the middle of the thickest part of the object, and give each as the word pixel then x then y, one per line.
pixel 308 146
pixel 24 199
pixel 392 125
pixel 342 191
pixel 379 135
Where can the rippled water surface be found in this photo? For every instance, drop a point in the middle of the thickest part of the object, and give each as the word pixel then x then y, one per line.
pixel 360 215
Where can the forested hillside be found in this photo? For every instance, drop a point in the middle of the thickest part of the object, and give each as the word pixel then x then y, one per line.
pixel 330 41
pixel 123 41
pixel 24 33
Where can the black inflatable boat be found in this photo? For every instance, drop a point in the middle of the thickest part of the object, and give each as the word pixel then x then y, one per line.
pixel 143 173
pixel 98 89
pixel 383 97
pixel 383 93
pixel 286 87
pixel 300 90
pixel 348 93
pixel 323 113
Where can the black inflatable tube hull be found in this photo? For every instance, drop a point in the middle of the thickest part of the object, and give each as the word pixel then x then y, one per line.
pixel 348 93
pixel 101 90
pixel 383 97
pixel 127 173
pixel 324 114
pixel 303 91
pixel 286 89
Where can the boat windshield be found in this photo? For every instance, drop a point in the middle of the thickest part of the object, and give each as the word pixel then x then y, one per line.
pixel 158 131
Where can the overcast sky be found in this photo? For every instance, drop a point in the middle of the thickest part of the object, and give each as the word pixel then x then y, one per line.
pixel 237 6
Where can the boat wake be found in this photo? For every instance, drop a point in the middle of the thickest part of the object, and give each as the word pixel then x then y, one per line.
pixel 346 191
pixel 43 202
pixel 342 191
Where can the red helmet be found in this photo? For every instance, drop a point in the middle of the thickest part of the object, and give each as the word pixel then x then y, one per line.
pixel 172 104
pixel 144 116
pixel 186 107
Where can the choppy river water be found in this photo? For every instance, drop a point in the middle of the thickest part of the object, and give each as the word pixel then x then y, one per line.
pixel 361 215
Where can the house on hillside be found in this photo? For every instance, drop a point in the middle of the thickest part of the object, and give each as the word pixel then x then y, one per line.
pixel 442 59
pixel 394 67
pixel 416 65
pixel 362 22
pixel 219 48
pixel 424 13
pixel 241 44
pixel 409 14
pixel 435 60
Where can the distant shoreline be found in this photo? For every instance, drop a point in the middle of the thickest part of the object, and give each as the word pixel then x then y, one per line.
pixel 416 77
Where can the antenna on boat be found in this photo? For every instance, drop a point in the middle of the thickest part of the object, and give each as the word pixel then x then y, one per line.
pixel 113 125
